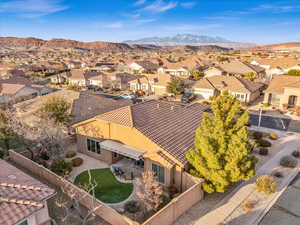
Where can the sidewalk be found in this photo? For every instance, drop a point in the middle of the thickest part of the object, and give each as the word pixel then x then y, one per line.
pixel 229 210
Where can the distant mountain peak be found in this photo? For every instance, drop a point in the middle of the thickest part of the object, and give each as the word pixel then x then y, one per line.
pixel 181 39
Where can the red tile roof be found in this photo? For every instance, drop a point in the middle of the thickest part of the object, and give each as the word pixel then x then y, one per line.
pixel 20 194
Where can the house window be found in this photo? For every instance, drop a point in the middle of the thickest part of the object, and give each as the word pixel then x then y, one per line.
pixel 240 96
pixel 159 172
pixel 93 146
pixel 24 223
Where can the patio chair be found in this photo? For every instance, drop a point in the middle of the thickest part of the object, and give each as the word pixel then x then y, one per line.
pixel 121 171
pixel 116 170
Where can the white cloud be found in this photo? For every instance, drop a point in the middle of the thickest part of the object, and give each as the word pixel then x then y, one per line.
pixel 32 8
pixel 188 5
pixel 115 25
pixel 192 27
pixel 139 2
pixel 160 6
pixel 144 21
pixel 276 8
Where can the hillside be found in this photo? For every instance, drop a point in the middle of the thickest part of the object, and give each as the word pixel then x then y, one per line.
pixel 290 46
pixel 62 43
pixel 203 48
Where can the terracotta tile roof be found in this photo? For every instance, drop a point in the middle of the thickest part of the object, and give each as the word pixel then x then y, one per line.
pixel 89 105
pixel 147 65
pixel 280 82
pixel 10 89
pixel 165 157
pixel 122 116
pixel 230 83
pixel 283 63
pixel 237 67
pixel 169 125
pixel 20 194
pixel 77 74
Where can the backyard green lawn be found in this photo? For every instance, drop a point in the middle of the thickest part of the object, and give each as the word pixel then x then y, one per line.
pixel 108 190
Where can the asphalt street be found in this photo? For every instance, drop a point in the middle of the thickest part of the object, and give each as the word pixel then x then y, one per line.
pixel 276 123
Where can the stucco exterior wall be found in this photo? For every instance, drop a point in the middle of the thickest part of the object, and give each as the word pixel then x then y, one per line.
pixel 101 130
pixel 106 156
pixel 203 92
pixel 290 92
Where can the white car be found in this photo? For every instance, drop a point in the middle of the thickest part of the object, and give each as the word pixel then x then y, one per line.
pixel 128 96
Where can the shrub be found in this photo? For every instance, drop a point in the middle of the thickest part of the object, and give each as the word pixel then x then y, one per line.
pixel 273 136
pixel 277 174
pixel 266 105
pixel 44 156
pixel 265 184
pixel 263 143
pixel 61 167
pixel 257 135
pixel 77 162
pixel 70 154
pixel 172 190
pixel 249 205
pixel 132 206
pixel 288 161
pixel 263 151
pixel 296 154
pixel 1 154
pixel 74 88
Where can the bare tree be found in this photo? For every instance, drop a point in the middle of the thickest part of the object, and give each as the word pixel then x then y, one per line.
pixel 72 206
pixel 42 133
pixel 151 191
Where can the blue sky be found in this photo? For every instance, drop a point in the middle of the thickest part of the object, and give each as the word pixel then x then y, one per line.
pixel 255 21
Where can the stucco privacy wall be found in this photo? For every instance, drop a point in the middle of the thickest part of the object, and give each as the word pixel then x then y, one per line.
pixel 166 216
pixel 178 206
pixel 105 212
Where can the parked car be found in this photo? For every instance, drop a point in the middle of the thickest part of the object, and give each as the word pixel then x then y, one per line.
pixel 187 97
pixel 128 96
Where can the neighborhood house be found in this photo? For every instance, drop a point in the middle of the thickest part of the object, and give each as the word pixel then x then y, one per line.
pixel 155 135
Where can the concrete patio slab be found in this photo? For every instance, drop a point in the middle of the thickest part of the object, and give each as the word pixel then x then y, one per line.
pixel 88 163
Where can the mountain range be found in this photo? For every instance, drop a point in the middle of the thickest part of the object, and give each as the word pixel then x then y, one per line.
pixel 188 39
pixel 62 43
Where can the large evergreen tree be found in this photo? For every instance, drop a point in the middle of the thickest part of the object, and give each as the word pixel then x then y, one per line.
pixel 221 154
pixel 175 86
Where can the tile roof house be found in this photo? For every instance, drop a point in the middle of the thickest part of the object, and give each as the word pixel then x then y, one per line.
pixel 159 132
pixel 245 90
pixel 283 91
pixel 174 70
pixel 151 84
pixel 236 68
pixel 23 199
pixel 277 66
pixel 139 67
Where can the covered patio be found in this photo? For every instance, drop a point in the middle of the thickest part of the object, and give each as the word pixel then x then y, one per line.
pixel 128 162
